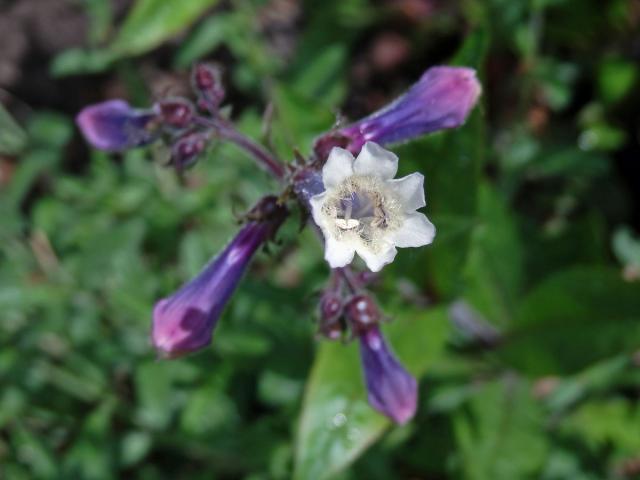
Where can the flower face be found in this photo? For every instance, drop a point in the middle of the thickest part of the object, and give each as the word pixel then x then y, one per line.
pixel 365 210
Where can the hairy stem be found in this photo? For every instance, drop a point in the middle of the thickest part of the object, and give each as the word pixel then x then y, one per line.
pixel 264 158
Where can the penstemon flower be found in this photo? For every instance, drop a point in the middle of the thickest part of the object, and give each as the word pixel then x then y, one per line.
pixel 441 99
pixel 391 389
pixel 364 210
pixel 184 322
pixel 356 203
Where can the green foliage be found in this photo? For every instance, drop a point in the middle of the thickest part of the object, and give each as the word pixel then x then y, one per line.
pixel 148 24
pixel 537 236
pixel 12 137
pixel 502 422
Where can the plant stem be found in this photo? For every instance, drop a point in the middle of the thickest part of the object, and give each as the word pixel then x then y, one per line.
pixel 264 158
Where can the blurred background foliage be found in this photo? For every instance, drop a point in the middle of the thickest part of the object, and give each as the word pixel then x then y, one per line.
pixel 522 320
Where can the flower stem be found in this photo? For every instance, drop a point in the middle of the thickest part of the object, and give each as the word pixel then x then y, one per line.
pixel 351 282
pixel 264 158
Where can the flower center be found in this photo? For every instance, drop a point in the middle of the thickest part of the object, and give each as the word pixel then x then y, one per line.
pixel 362 208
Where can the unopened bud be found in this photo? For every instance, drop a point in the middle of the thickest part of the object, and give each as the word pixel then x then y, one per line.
pixel 441 99
pixel 114 126
pixel 186 150
pixel 362 313
pixel 176 112
pixel 184 322
pixel 331 308
pixel 392 390
pixel 207 83
pixel 326 143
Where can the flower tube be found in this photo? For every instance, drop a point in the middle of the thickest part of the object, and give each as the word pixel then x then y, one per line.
pixel 391 389
pixel 441 99
pixel 184 322
pixel 114 126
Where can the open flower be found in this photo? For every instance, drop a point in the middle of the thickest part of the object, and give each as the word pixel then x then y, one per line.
pixel 365 210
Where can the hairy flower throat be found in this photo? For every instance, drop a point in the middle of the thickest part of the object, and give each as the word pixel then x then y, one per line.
pixel 362 208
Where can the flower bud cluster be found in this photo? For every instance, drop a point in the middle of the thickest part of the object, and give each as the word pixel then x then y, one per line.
pixel 115 126
pixel 207 83
pixel 391 389
pixel 342 312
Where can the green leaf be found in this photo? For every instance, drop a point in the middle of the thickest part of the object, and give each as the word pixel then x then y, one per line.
pixel 152 22
pixel 503 437
pixel 299 119
pixel 322 77
pixel 337 424
pixel 451 162
pixel 616 77
pixel 606 422
pixel 12 137
pixel 595 380
pixel 626 247
pixel 79 60
pixel 494 272
pixel 572 319
pixel 207 36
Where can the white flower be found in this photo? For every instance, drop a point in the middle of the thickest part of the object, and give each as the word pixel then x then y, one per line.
pixel 365 210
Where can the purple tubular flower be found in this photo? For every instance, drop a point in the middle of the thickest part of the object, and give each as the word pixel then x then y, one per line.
pixel 441 99
pixel 184 322
pixel 392 390
pixel 114 126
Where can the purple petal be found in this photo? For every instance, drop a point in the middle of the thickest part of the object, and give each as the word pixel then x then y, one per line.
pixel 392 390
pixel 441 99
pixel 184 322
pixel 114 126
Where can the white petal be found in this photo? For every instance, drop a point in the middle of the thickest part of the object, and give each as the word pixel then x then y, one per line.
pixel 410 190
pixel 375 160
pixel 316 203
pixel 338 254
pixel 338 166
pixel 416 231
pixel 375 261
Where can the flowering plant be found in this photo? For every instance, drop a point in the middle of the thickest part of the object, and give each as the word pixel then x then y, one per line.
pixel 355 204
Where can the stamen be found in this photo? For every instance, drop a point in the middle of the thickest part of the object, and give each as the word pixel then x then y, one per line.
pixel 347 224
pixel 362 208
pixel 348 210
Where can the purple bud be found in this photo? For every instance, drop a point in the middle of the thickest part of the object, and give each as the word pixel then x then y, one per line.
pixel 184 322
pixel 186 150
pixel 207 82
pixel 330 312
pixel 326 143
pixel 441 99
pixel 392 390
pixel 176 112
pixel 362 313
pixel 114 126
